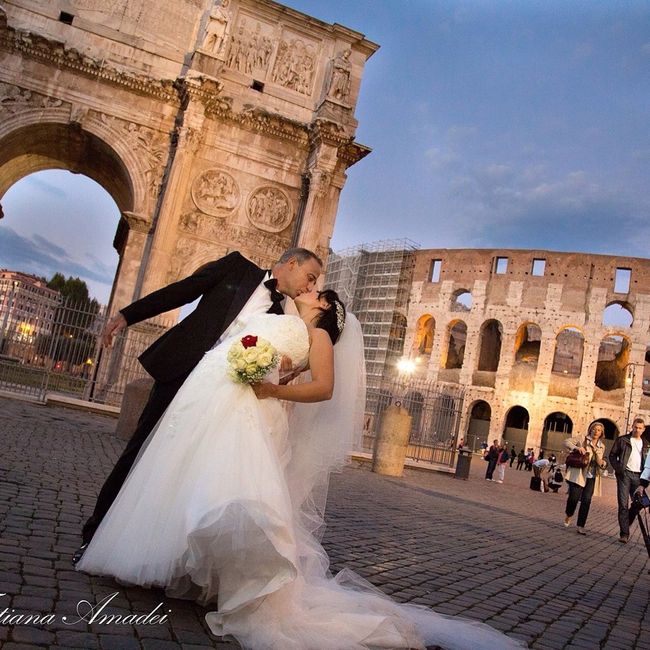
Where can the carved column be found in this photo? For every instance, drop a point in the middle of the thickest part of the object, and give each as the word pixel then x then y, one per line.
pixel 198 91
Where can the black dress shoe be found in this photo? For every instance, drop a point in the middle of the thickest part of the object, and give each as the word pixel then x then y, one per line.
pixel 79 553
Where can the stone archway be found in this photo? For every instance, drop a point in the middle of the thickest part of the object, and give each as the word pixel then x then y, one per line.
pixel 515 428
pixel 39 145
pixel 199 160
pixel 557 427
pixel 478 428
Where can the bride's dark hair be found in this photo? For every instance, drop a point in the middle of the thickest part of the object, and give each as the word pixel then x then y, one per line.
pixel 332 318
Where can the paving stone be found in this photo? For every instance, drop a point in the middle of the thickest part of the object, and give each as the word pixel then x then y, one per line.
pixel 462 547
pixel 33 635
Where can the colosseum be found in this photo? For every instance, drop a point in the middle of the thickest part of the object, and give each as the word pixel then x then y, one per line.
pixel 544 343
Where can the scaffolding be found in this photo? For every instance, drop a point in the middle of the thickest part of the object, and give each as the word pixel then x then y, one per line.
pixel 374 280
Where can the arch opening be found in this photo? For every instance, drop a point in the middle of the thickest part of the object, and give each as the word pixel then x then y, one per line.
pixel 478 427
pixel 558 426
pixel 618 314
pixel 456 345
pixel 613 361
pixel 515 431
pixel 490 346
pixel 461 300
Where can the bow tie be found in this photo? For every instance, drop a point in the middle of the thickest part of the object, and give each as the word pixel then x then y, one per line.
pixel 272 286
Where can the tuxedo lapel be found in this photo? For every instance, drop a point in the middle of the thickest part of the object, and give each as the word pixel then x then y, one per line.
pixel 249 282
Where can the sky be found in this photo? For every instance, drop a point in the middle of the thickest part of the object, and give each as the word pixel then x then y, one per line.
pixel 499 124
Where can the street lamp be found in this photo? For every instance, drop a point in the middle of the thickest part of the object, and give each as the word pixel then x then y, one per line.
pixel 629 379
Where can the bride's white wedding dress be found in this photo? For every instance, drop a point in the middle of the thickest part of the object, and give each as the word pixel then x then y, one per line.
pixel 220 508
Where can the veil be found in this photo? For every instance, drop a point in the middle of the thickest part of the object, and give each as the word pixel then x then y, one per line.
pixel 322 435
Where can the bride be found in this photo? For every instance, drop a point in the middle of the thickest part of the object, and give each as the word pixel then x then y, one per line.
pixel 225 501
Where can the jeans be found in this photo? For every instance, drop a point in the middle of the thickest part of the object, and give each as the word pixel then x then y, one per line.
pixel 583 495
pixel 626 483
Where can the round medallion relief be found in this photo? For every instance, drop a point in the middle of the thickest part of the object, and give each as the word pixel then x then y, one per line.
pixel 215 192
pixel 269 209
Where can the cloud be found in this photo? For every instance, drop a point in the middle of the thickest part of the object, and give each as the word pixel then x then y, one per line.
pixel 38 256
pixel 38 182
pixel 498 205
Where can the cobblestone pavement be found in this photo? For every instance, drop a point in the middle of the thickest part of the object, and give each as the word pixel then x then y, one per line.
pixel 496 553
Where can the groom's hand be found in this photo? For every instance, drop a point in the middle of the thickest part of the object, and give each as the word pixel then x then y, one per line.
pixel 114 326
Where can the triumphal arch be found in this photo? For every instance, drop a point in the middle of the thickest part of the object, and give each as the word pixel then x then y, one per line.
pixel 214 125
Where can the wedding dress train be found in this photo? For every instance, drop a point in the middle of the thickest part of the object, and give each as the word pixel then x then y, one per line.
pixel 221 507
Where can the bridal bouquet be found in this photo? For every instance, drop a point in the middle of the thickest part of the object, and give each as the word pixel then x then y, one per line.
pixel 251 359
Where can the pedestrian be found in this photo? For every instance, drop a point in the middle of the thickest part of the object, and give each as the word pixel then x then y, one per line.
pixel 461 444
pixel 502 461
pixel 542 467
pixel 627 457
pixel 513 455
pixel 521 459
pixel 541 454
pixel 492 456
pixel 530 459
pixel 584 482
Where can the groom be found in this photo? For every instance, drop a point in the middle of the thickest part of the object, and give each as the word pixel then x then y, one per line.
pixel 231 288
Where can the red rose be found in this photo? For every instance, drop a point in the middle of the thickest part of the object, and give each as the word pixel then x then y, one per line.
pixel 249 341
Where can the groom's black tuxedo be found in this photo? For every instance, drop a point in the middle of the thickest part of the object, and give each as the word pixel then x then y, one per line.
pixel 224 287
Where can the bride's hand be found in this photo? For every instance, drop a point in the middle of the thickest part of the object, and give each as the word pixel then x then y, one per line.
pixel 264 389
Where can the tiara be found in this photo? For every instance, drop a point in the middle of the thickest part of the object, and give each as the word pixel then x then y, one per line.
pixel 340 316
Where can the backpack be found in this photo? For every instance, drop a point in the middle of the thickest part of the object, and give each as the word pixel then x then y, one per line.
pixel 557 477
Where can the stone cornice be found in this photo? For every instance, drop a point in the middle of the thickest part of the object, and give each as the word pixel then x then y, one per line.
pixel 260 121
pixel 55 53
pixel 352 153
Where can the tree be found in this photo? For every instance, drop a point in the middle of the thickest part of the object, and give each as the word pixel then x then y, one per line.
pixel 72 289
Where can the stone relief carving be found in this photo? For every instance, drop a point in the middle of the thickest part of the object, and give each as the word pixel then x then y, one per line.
pixel 41 48
pixel 215 192
pixel 217 30
pixel 269 209
pixel 339 85
pixel 151 145
pixel 320 182
pixel 249 241
pixel 295 65
pixel 249 49
pixel 14 99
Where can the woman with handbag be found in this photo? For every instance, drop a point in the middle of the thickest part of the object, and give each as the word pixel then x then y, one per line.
pixel 585 464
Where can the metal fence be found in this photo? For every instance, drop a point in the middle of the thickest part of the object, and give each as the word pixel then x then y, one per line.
pixel 60 351
pixel 435 417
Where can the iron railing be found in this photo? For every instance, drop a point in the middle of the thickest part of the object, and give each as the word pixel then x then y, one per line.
pixel 435 417
pixel 61 352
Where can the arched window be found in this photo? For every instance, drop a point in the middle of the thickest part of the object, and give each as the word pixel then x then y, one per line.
pixel 527 344
pixel 613 357
pixel 461 300
pixel 456 345
pixel 618 314
pixel 423 341
pixel 490 346
pixel 569 350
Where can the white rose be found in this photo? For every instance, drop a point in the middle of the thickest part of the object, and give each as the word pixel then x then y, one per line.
pixel 240 364
pixel 251 369
pixel 250 355
pixel 265 359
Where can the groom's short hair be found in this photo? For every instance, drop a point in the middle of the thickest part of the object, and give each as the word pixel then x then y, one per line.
pixel 301 254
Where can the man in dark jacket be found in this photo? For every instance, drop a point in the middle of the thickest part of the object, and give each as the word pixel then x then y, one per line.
pixel 627 457
pixel 492 455
pixel 230 288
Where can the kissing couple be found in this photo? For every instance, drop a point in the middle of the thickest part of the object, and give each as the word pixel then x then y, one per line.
pixel 219 496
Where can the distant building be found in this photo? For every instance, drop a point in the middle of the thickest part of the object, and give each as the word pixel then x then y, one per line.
pixel 27 309
pixel 543 343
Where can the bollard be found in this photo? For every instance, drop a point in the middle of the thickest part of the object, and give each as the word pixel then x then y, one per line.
pixel 135 397
pixel 392 441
